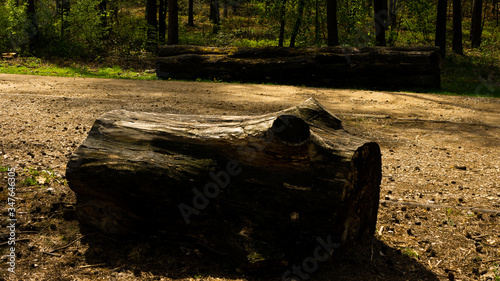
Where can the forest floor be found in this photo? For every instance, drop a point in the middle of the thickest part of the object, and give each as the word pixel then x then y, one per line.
pixel 439 217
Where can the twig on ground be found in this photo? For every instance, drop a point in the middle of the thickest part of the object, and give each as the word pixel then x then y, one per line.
pixel 92 265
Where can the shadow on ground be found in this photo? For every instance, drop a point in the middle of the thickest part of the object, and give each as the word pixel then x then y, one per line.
pixel 179 260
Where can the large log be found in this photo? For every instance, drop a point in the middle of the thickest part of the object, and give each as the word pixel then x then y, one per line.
pixel 371 67
pixel 257 188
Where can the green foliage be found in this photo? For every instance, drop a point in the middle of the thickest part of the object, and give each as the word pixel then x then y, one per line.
pixel 4 34
pixel 419 21
pixel 496 271
pixel 86 29
pixel 16 25
pixel 30 181
pixel 356 24
pixel 411 253
pixel 36 66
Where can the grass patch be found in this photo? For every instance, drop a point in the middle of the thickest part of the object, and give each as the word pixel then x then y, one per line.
pixel 411 253
pixel 37 66
pixel 496 271
pixel 470 75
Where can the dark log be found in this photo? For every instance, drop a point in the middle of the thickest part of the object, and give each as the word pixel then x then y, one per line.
pixel 257 188
pixel 370 67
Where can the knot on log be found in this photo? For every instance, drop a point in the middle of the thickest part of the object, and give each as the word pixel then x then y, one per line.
pixel 290 130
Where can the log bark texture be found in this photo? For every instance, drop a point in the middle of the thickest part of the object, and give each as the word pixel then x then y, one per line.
pixel 257 188
pixel 370 67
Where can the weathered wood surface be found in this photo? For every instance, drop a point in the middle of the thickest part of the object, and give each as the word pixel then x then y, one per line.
pixel 372 67
pixel 256 188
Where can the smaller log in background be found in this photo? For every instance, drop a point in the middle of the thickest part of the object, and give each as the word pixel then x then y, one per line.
pixel 369 67
pixel 285 180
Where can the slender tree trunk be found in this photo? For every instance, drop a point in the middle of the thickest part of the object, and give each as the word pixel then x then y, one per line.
pixel 440 39
pixel 151 19
pixel 457 27
pixel 162 24
pixel 495 6
pixel 190 13
pixel 331 22
pixel 64 8
pixel 317 39
pixel 281 37
pixel 393 21
pixel 33 32
pixel 224 11
pixel 475 32
pixel 173 23
pixel 381 18
pixel 392 12
pixel 214 15
pixel 296 27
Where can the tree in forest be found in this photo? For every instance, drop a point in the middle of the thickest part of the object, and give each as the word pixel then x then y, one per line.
pixel 476 26
pixel 162 25
pixel 381 17
pixel 215 15
pixel 393 22
pixel 151 19
pixel 190 13
pixel 457 27
pixel 173 22
pixel 282 19
pixel 16 21
pixel 440 39
pixel 32 23
pixel 331 22
pixel 296 27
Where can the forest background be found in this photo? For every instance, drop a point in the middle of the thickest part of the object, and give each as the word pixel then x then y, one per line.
pixel 119 39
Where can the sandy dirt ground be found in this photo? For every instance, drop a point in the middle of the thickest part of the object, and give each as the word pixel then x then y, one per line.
pixel 439 217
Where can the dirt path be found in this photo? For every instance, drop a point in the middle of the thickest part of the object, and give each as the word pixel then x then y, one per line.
pixel 439 151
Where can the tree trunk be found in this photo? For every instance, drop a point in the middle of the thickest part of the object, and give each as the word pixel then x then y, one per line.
pixel 246 186
pixel 457 27
pixel 476 30
pixel 215 15
pixel 32 24
pixel 317 26
pixel 173 22
pixel 440 39
pixel 381 21
pixel 371 67
pixel 495 6
pixel 281 36
pixel 296 27
pixel 190 13
pixel 331 21
pixel 162 24
pixel 151 19
pixel 224 9
pixel 393 22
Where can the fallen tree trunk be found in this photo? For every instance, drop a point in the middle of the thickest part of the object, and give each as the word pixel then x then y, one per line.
pixel 372 67
pixel 257 188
